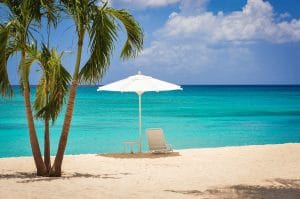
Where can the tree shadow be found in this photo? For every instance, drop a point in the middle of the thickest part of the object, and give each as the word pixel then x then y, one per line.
pixel 279 188
pixel 25 177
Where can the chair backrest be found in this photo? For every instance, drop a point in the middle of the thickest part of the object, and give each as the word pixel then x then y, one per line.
pixel 156 139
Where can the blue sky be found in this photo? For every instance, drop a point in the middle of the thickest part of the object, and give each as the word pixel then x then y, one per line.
pixel 202 42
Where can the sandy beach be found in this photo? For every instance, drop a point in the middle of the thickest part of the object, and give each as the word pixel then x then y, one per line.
pixel 266 171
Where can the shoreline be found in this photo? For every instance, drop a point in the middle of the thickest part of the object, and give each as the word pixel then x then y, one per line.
pixel 176 150
pixel 255 171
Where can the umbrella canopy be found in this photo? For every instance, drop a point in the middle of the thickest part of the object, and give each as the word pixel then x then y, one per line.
pixel 139 84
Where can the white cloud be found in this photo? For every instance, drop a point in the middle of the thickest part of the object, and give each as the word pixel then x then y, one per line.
pixel 185 56
pixel 191 7
pixel 255 22
pixel 143 3
pixel 197 42
pixel 284 15
pixel 186 6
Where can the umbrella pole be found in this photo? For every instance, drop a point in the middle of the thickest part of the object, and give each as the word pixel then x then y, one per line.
pixel 140 121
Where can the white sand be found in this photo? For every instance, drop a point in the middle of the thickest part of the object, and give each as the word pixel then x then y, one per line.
pixel 268 171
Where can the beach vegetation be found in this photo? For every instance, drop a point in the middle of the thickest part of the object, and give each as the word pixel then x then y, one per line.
pixel 97 24
pixel 16 35
pixel 50 91
pixel 100 23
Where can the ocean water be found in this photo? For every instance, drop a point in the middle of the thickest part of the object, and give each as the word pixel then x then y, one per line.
pixel 198 116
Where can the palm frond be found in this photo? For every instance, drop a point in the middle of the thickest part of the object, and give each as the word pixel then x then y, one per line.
pixel 53 85
pixel 31 10
pixel 13 5
pixel 25 65
pixel 58 92
pixel 103 33
pixel 40 97
pixel 103 29
pixel 5 86
pixel 51 11
pixel 80 11
pixel 134 41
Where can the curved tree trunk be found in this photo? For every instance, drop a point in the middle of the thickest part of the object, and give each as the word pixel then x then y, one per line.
pixel 40 166
pixel 56 167
pixel 47 147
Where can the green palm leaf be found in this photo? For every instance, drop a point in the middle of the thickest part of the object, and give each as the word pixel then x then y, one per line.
pixel 53 85
pixel 103 33
pixel 5 86
pixel 134 41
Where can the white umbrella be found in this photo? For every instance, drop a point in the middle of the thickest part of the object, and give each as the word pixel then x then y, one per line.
pixel 139 84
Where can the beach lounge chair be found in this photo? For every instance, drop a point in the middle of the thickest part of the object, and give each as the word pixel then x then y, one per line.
pixel 156 141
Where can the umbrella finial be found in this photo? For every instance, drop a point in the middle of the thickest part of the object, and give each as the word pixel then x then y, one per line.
pixel 139 72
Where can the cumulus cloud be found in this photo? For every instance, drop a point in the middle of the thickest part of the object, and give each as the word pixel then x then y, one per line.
pixel 196 41
pixel 256 21
pixel 186 6
pixel 143 3
pixel 186 57
pixel 192 7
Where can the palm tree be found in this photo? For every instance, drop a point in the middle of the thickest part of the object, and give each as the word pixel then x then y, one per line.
pixel 15 35
pixel 51 90
pixel 101 23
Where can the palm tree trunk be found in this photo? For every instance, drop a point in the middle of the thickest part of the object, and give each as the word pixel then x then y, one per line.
pixel 40 166
pixel 56 167
pixel 47 147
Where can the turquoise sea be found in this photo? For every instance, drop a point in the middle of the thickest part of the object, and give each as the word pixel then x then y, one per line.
pixel 198 116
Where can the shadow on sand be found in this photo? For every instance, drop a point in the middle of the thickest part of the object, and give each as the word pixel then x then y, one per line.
pixel 279 189
pixel 140 155
pixel 32 177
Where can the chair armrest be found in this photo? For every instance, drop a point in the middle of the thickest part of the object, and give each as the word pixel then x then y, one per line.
pixel 169 146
